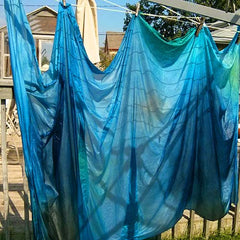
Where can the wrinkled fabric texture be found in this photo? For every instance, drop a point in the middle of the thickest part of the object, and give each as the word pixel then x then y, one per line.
pixel 120 154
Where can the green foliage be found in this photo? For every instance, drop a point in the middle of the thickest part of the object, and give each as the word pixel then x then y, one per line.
pixel 167 28
pixel 45 60
pixel 105 59
pixel 219 4
pixel 14 236
pixel 224 236
pixel 171 29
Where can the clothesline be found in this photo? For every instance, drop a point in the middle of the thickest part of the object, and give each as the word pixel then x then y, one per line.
pixel 180 15
pixel 171 18
pixel 175 18
pixel 117 5
pixel 55 5
pixel 126 10
pixel 114 4
pixel 224 29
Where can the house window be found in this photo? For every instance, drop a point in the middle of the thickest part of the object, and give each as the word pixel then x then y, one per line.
pixel 7 71
pixel 44 51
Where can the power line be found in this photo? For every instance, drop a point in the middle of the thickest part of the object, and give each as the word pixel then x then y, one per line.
pixel 55 5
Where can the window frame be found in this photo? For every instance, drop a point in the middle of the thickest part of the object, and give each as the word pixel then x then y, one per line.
pixel 37 37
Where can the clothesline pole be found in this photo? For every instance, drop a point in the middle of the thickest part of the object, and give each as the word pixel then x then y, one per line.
pixel 4 168
pixel 201 10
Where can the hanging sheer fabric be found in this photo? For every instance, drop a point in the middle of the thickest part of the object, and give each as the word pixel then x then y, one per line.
pixel 120 154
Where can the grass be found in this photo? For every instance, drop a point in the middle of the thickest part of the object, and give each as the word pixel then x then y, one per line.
pixel 222 236
pixel 15 236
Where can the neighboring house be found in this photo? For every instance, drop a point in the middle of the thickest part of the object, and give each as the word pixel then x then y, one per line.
pixel 113 42
pixel 224 35
pixel 43 24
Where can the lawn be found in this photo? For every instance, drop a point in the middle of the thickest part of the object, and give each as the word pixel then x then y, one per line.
pixel 222 236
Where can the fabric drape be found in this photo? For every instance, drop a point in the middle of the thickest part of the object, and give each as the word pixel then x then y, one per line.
pixel 120 154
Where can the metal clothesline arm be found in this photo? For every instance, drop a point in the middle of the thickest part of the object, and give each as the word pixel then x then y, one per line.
pixel 233 18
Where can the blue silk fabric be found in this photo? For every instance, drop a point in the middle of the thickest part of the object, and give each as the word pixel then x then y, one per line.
pixel 120 154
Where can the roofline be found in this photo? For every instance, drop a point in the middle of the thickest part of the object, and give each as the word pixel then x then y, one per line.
pixel 35 11
pixel 113 49
pixel 39 9
pixel 114 33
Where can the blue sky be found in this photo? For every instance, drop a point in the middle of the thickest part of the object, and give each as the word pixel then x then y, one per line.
pixel 107 21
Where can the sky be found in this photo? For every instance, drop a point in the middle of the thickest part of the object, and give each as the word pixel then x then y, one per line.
pixel 107 21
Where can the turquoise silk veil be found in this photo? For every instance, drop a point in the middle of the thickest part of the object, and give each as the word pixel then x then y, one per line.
pixel 120 154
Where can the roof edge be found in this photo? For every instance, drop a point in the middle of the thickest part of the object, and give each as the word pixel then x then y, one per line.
pixel 36 11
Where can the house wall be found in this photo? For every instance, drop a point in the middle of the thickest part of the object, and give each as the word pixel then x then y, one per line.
pixel 4 56
pixel 2 34
pixel 1 56
pixel 42 22
pixel 43 25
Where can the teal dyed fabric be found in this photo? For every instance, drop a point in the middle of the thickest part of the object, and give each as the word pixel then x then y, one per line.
pixel 120 154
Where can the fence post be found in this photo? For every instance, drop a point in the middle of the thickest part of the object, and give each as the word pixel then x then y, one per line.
pixel 219 229
pixel 191 224
pixel 205 228
pixel 159 237
pixel 173 232
pixel 26 203
pixel 235 227
pixel 4 168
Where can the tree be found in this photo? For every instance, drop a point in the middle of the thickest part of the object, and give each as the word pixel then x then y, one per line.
pixel 220 4
pixel 45 60
pixel 170 29
pixel 105 59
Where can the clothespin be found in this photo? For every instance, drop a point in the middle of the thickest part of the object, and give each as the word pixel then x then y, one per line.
pixel 238 38
pixel 137 9
pixel 64 3
pixel 200 26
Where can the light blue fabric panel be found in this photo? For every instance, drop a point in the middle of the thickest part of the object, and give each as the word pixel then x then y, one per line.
pixel 120 154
